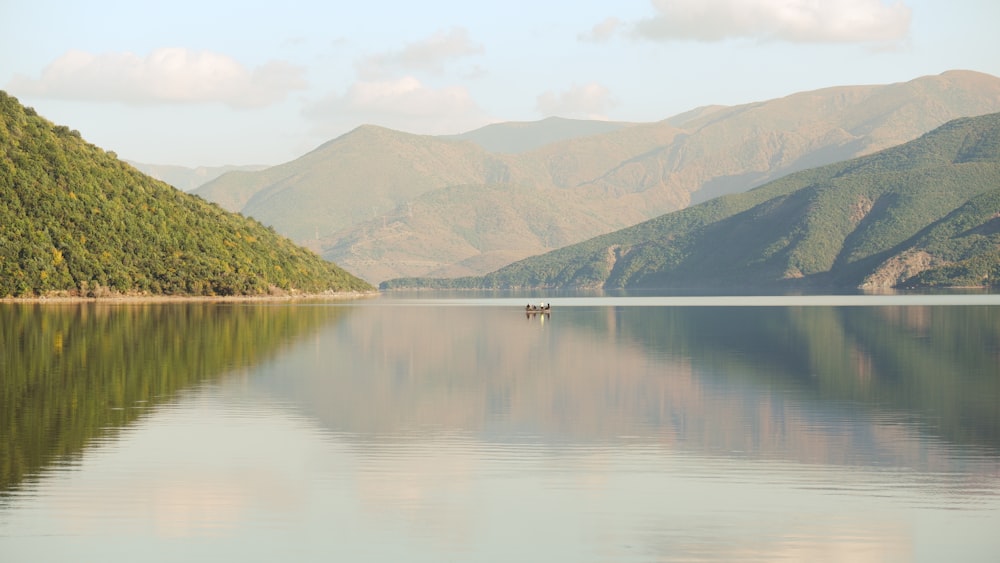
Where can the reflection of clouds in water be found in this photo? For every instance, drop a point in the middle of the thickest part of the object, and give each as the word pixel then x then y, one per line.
pixel 170 506
pixel 676 507
pixel 426 485
pixel 451 492
pixel 819 538
pixel 175 476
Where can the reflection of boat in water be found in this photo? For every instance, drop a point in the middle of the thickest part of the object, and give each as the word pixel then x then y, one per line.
pixel 541 308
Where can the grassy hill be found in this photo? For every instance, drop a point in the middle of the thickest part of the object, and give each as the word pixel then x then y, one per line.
pixel 76 220
pixel 368 200
pixel 924 213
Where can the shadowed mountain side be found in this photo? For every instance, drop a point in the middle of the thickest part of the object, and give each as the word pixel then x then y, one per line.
pixel 587 161
pixel 874 222
pixel 812 385
pixel 364 177
pixel 75 375
pixel 490 226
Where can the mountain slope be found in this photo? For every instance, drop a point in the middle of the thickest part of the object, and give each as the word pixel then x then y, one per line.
pixel 521 136
pixel 187 179
pixel 366 200
pixel 76 220
pixel 925 212
pixel 363 174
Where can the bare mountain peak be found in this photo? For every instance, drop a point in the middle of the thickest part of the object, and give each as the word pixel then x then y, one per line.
pixel 967 75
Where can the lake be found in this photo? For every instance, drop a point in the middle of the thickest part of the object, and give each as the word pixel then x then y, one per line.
pixel 442 428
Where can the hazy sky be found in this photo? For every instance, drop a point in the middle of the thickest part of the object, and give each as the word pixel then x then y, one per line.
pixel 211 82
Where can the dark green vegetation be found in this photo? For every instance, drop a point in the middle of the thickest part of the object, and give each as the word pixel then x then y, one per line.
pixel 74 219
pixel 75 374
pixel 386 204
pixel 926 213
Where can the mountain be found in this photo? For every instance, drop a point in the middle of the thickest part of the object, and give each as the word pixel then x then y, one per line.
pixel 75 220
pixel 187 179
pixel 387 204
pixel 522 136
pixel 363 174
pixel 925 213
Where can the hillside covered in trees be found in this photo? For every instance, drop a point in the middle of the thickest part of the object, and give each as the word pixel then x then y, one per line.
pixel 75 220
pixel 925 213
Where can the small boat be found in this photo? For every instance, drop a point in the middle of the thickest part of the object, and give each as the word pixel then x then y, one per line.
pixel 540 308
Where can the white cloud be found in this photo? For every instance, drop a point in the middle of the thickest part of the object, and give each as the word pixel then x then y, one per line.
pixel 804 21
pixel 407 96
pixel 430 54
pixel 382 97
pixel 590 101
pixel 404 104
pixel 165 76
pixel 602 31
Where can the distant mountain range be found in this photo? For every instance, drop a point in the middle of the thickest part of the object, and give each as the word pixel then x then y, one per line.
pixel 76 221
pixel 185 178
pixel 925 213
pixel 386 204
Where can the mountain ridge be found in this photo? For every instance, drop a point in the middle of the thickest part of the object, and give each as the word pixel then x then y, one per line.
pixel 924 213
pixel 368 203
pixel 522 136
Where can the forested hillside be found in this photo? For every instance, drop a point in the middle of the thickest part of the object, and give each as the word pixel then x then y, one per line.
pixel 926 213
pixel 76 220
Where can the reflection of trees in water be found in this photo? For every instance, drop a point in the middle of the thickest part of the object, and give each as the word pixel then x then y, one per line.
pixel 70 374
pixel 817 384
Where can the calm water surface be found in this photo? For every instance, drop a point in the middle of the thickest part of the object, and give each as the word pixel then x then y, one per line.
pixel 614 429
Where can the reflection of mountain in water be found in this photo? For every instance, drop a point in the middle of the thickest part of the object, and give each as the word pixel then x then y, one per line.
pixel 828 385
pixel 935 365
pixel 72 374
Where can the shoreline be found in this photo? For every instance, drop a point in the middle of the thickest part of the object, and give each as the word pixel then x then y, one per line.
pixel 128 299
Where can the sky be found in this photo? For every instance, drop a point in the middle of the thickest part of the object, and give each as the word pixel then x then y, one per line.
pixel 217 82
